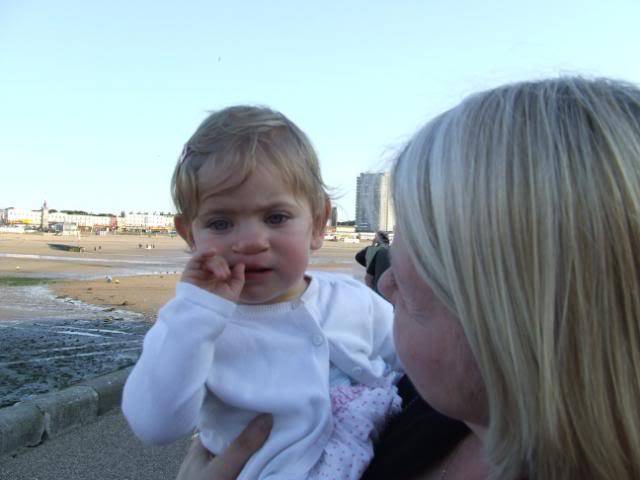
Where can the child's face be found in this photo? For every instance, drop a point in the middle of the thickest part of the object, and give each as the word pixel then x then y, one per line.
pixel 262 224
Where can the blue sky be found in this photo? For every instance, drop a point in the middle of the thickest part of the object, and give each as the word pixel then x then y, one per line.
pixel 97 98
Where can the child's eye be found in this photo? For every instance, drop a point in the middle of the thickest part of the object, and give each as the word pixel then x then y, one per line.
pixel 277 218
pixel 219 225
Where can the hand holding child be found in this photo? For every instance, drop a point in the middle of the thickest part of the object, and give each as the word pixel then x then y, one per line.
pixel 199 464
pixel 211 272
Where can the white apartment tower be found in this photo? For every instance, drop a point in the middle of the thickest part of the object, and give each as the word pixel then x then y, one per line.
pixel 374 205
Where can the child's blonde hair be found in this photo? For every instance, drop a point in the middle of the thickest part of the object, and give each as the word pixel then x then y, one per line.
pixel 238 139
pixel 521 209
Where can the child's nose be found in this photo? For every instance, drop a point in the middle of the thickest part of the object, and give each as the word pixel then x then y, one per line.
pixel 250 241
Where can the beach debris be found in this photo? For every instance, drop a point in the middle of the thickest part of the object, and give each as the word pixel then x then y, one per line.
pixel 89 289
pixel 109 279
pixel 17 267
pixel 124 304
pixel 116 281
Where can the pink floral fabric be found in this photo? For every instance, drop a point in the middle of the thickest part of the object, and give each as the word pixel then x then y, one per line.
pixel 359 414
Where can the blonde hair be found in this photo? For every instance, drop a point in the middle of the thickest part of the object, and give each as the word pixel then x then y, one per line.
pixel 238 139
pixel 521 208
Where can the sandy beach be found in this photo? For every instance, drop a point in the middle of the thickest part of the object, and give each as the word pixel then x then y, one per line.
pixel 36 254
pixel 70 315
pixel 84 275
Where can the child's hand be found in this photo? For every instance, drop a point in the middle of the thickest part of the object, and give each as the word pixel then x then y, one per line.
pixel 211 272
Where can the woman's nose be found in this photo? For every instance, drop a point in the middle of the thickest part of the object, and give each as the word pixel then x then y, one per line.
pixel 386 285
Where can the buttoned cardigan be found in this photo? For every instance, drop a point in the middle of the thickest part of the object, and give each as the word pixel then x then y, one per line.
pixel 211 364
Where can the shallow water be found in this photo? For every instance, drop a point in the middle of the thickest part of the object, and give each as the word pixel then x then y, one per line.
pixel 38 303
pixel 48 343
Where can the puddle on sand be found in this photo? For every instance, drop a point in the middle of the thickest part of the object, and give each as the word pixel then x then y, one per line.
pixel 39 303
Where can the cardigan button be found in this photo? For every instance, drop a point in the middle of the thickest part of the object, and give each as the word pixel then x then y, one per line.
pixel 317 339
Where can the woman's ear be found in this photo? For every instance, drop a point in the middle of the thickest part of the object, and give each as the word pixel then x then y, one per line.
pixel 183 227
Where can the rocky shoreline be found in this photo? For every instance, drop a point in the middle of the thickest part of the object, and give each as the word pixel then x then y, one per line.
pixel 65 345
pixel 92 318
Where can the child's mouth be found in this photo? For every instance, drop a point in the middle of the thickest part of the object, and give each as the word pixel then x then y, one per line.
pixel 256 273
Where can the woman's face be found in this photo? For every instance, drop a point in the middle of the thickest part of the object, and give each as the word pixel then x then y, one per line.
pixel 431 343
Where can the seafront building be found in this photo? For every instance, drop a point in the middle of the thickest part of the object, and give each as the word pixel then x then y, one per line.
pixel 374 211
pixel 333 220
pixel 17 216
pixel 46 219
pixel 374 205
pixel 147 221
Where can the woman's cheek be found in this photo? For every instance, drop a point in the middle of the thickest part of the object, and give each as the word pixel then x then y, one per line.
pixel 404 339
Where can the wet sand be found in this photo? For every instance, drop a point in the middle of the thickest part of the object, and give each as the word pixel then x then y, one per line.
pixel 80 325
pixel 36 255
pixel 84 275
pixel 143 294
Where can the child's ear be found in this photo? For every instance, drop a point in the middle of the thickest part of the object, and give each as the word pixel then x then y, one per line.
pixel 320 226
pixel 183 227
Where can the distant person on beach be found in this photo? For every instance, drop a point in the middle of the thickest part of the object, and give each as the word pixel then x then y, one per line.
pixel 250 331
pixel 375 258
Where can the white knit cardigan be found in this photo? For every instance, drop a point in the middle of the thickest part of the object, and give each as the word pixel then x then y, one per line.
pixel 210 364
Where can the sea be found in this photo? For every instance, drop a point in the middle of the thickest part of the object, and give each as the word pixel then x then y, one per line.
pixel 49 342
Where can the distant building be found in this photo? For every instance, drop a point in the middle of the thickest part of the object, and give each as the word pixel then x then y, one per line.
pixel 58 221
pixel 21 216
pixel 147 221
pixel 374 205
pixel 334 217
pixel 63 228
pixel 82 221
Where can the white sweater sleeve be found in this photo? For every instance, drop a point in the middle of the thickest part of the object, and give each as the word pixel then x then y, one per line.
pixel 164 393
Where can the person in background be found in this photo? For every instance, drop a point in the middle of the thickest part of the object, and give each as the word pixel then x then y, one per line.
pixel 375 259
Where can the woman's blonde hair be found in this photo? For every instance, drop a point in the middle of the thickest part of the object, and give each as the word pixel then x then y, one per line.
pixel 237 140
pixel 521 208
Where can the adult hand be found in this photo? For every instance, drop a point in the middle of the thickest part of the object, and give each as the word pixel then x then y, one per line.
pixel 200 464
